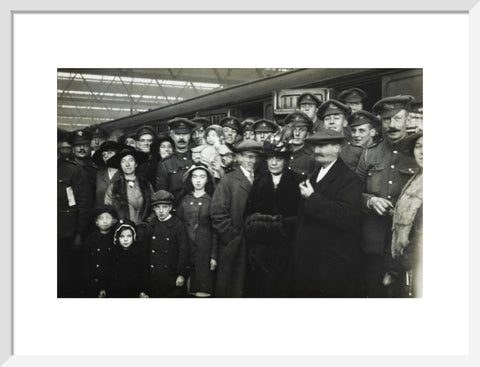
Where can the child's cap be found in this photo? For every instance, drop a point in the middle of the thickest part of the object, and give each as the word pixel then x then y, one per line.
pixel 121 225
pixel 162 197
pixel 105 209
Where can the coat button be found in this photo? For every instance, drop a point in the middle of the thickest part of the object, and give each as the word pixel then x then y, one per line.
pixel 369 173
pixel 153 251
pixel 199 203
pixel 152 266
pixel 97 266
pixel 165 266
pixel 390 182
pixel 289 167
pixel 165 252
pixel 389 196
pixel 95 280
pixel 184 158
pixel 168 239
pixel 395 151
pixel 98 250
pixel 153 237
pixel 191 202
pixel 392 166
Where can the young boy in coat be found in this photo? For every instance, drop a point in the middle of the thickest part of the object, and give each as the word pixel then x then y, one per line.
pixel 96 251
pixel 166 249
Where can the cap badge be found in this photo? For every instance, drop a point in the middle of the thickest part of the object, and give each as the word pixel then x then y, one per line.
pixel 80 133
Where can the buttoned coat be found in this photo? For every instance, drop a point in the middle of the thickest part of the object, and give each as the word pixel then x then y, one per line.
pixel 195 214
pixel 227 209
pixel 326 245
pixel 169 175
pixel 384 171
pixel 166 256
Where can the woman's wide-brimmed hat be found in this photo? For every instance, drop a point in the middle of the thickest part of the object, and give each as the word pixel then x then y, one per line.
pixel 139 157
pixel 109 145
pixel 157 141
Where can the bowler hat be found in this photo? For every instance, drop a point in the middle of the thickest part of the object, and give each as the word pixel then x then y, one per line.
pixel 247 146
pixel 325 136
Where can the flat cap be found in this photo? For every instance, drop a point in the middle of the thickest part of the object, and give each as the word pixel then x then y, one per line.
pixel 79 137
pixel 332 107
pixel 247 146
pixel 142 130
pixel 264 125
pixel 181 125
pixel 363 117
pixel 231 122
pixel 390 106
pixel 298 119
pixel 308 98
pixel 352 95
pixel 325 136
pixel 162 197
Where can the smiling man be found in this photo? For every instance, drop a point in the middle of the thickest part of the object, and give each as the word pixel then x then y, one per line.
pixel 384 170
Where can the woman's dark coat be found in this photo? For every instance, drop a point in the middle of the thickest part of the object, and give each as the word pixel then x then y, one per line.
pixel 120 199
pixel 269 241
pixel 326 245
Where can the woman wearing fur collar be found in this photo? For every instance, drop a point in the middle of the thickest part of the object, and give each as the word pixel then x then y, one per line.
pixel 130 194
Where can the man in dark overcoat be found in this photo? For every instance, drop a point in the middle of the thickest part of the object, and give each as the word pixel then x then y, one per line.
pixel 227 210
pixel 325 249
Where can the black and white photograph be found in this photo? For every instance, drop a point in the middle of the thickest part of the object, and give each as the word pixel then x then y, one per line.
pixel 239 182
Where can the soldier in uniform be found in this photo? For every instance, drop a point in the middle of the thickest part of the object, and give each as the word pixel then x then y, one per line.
pixel 309 104
pixel 99 136
pixel 197 132
pixel 353 98
pixel 80 141
pixel 145 136
pixel 170 171
pixel 364 127
pixel 74 201
pixel 247 129
pixel 384 170
pixel 334 115
pixel 301 161
pixel 263 128
pixel 231 129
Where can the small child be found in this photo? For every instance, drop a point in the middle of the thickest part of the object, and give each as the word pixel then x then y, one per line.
pixel 166 249
pixel 126 270
pixel 214 138
pixel 194 212
pixel 96 252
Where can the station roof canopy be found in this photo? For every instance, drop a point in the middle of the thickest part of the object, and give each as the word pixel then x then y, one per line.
pixel 87 97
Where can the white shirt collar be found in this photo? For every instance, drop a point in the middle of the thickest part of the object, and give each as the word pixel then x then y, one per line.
pixel 276 179
pixel 246 173
pixel 324 171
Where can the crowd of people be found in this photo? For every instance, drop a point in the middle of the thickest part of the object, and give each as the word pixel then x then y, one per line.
pixel 329 204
